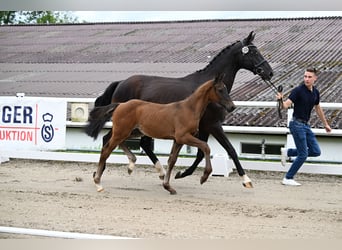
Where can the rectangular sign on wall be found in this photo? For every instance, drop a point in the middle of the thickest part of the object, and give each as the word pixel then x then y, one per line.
pixel 32 123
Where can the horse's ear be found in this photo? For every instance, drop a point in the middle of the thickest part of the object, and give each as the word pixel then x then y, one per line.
pixel 250 38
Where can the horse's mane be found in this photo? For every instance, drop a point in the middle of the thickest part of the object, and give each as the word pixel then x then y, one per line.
pixel 218 55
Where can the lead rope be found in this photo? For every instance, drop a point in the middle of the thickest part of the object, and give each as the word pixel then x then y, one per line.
pixel 276 90
pixel 280 102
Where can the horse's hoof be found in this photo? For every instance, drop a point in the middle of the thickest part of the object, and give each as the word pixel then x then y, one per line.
pixel 179 175
pixel 247 185
pixel 129 171
pixel 94 174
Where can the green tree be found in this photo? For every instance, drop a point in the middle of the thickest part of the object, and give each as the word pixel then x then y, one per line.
pixel 36 17
pixel 7 17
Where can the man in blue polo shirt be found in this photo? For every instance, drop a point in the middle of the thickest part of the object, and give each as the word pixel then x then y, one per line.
pixel 303 98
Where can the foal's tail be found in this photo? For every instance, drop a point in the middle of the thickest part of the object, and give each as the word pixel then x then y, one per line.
pixel 98 117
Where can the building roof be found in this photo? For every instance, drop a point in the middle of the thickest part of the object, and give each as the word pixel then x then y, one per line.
pixel 80 60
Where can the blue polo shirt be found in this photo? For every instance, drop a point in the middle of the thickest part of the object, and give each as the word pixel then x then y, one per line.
pixel 304 100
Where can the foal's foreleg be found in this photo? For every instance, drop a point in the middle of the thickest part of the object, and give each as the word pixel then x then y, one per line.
pixel 193 141
pixel 203 136
pixel 208 168
pixel 171 162
pixel 131 157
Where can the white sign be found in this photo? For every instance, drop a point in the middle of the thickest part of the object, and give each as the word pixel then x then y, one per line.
pixel 32 123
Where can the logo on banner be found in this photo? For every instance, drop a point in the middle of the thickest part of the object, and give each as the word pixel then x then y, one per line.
pixel 32 123
pixel 47 130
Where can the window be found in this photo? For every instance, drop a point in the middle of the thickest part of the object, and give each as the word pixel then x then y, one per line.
pixel 258 148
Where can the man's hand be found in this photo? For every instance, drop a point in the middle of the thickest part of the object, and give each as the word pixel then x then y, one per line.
pixel 279 96
pixel 327 128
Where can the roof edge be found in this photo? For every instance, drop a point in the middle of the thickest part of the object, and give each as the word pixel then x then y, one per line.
pixel 182 21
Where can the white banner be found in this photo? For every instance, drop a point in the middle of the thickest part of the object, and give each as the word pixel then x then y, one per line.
pixel 32 123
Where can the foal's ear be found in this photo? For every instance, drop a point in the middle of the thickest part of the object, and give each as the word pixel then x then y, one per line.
pixel 219 78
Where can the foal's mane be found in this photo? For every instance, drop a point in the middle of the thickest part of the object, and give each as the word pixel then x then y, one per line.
pixel 223 51
pixel 202 89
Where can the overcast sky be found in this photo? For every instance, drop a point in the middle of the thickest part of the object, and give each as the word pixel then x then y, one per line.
pixel 115 16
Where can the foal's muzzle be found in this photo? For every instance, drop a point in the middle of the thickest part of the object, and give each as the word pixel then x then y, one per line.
pixel 230 107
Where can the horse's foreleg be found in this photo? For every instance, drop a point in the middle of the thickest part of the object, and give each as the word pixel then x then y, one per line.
pixel 221 137
pixel 246 181
pixel 131 157
pixel 190 170
pixel 203 136
pixel 146 145
pixel 171 162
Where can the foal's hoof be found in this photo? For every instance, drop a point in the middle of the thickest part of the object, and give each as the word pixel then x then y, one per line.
pixel 203 179
pixel 99 188
pixel 173 192
pixel 161 177
pixel 129 171
pixel 169 188
pixel 247 184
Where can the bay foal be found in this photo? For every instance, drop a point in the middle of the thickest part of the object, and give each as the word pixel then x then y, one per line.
pixel 177 121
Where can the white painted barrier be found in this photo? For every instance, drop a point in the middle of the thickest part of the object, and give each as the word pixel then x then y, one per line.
pixel 56 234
pixel 316 168
pixel 222 166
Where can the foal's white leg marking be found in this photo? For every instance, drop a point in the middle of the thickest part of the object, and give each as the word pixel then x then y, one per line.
pixel 131 166
pixel 160 169
pixel 131 157
pixel 99 187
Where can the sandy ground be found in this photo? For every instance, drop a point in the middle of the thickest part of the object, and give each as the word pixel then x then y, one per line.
pixel 61 196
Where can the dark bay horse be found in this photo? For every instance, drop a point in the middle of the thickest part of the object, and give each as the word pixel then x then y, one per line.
pixel 178 121
pixel 239 55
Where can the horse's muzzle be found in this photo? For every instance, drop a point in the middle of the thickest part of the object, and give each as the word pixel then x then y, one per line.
pixel 263 74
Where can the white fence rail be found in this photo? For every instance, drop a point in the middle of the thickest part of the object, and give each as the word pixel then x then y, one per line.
pixel 89 157
pixel 235 129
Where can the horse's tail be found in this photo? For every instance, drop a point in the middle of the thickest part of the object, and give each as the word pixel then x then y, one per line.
pixel 97 119
pixel 106 97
